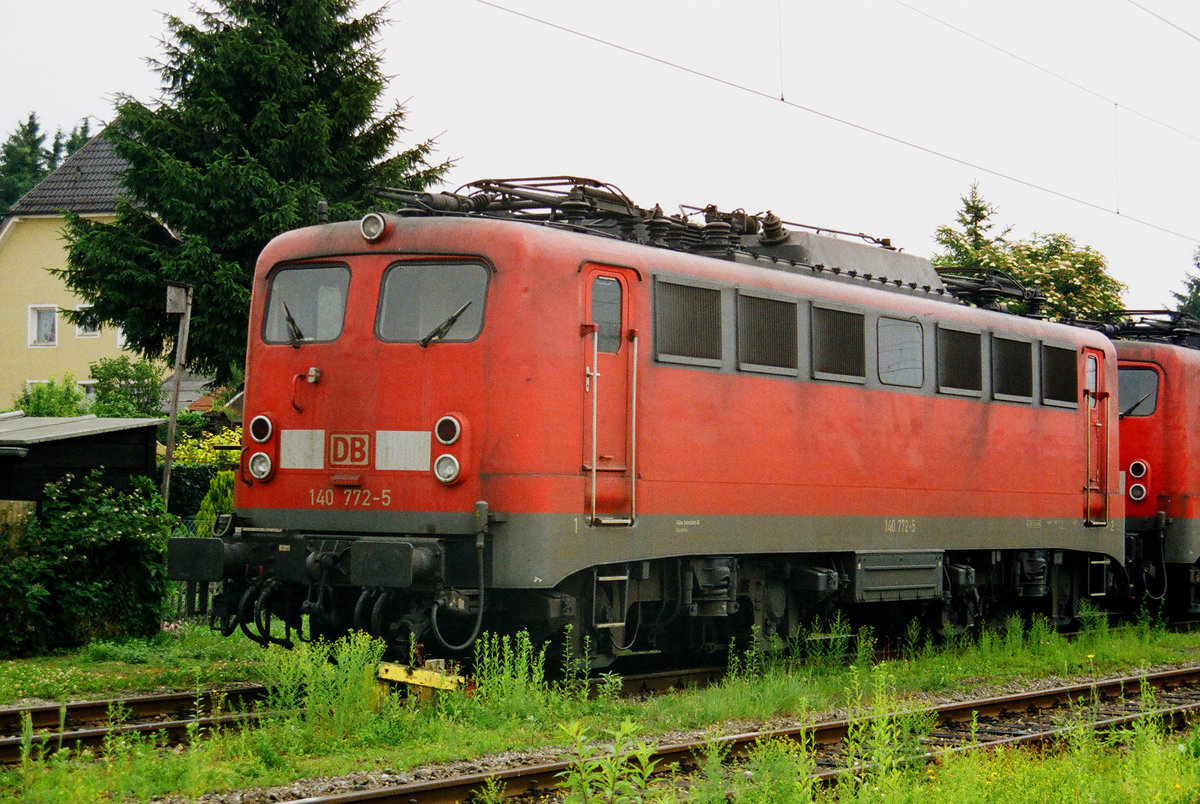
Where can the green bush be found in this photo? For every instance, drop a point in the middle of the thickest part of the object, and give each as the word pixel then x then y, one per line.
pixel 218 500
pixel 205 448
pixel 52 398
pixel 88 566
pixel 125 388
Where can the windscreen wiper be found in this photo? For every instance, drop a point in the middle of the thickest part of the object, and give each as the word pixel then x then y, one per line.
pixel 1135 405
pixel 441 329
pixel 294 333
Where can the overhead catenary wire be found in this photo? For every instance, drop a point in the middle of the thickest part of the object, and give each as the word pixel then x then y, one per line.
pixel 1164 20
pixel 1033 185
pixel 1057 76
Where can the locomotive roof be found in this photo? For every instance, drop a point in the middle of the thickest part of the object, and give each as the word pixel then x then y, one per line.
pixel 1160 326
pixel 596 208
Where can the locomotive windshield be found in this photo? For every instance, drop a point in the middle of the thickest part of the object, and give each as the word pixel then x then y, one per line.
pixel 306 303
pixel 435 301
pixel 1137 391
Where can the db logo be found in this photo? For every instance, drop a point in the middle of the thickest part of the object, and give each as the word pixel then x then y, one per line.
pixel 349 449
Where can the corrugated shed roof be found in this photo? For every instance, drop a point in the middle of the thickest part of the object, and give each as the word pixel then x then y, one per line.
pixel 24 430
pixel 88 180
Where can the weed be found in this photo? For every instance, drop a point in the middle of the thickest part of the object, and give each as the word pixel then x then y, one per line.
pixel 492 792
pixel 911 644
pixel 864 646
pixel 880 738
pixel 1014 633
pixel 574 679
pixel 510 677
pixel 26 738
pixel 825 646
pixel 776 771
pixel 711 784
pixel 619 774
pixel 1093 622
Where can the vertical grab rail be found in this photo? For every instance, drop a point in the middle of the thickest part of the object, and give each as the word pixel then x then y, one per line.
pixel 1087 471
pixel 594 376
pixel 1100 464
pixel 633 339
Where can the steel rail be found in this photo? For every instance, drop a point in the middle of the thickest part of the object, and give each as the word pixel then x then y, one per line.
pixel 78 713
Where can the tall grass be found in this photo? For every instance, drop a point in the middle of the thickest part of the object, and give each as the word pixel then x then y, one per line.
pixel 329 717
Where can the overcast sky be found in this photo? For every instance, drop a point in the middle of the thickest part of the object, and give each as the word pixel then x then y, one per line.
pixel 1065 112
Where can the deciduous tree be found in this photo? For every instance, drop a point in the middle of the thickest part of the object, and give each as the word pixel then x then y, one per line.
pixel 127 388
pixel 267 108
pixel 1074 279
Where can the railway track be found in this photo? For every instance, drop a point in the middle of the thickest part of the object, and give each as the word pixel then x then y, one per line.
pixel 1019 719
pixel 88 724
pixel 176 716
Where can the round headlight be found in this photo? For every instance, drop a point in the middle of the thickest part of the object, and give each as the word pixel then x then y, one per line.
pixel 1138 469
pixel 447 430
pixel 260 466
pixel 1137 492
pixel 260 428
pixel 446 469
pixel 373 226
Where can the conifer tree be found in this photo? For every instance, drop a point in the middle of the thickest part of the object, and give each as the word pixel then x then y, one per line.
pixel 25 159
pixel 1188 302
pixel 267 107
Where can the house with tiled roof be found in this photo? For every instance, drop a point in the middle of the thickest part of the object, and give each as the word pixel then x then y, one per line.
pixel 36 342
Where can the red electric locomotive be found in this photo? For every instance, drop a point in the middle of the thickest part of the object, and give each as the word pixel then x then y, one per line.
pixel 535 405
pixel 1159 383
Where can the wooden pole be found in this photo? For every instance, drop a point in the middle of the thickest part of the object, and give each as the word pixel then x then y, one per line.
pixel 179 300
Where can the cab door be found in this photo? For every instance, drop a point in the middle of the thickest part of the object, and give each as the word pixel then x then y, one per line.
pixel 609 349
pixel 1096 398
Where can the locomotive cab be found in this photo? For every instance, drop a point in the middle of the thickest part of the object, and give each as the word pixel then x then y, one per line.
pixel 1160 456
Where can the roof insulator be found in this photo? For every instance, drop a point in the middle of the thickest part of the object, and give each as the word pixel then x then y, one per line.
pixel 773 232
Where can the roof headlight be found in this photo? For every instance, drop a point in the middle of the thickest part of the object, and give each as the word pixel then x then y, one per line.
pixel 260 466
pixel 373 226
pixel 446 468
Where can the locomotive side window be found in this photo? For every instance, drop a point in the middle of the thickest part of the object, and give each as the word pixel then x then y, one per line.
pixel 901 353
pixel 960 362
pixel 687 324
pixel 838 345
pixel 306 303
pixel 1137 391
pixel 424 302
pixel 1060 376
pixel 766 334
pixel 1012 369
pixel 606 313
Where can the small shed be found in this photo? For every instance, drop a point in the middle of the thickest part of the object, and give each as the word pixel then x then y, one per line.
pixel 36 450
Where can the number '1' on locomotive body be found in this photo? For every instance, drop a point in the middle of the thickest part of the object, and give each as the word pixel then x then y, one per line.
pixel 538 406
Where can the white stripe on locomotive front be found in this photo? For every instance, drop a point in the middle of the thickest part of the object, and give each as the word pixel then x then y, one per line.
pixel 395 450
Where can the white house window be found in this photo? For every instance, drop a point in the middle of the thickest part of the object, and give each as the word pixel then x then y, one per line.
pixel 86 331
pixel 43 325
pixel 89 391
pixel 120 338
